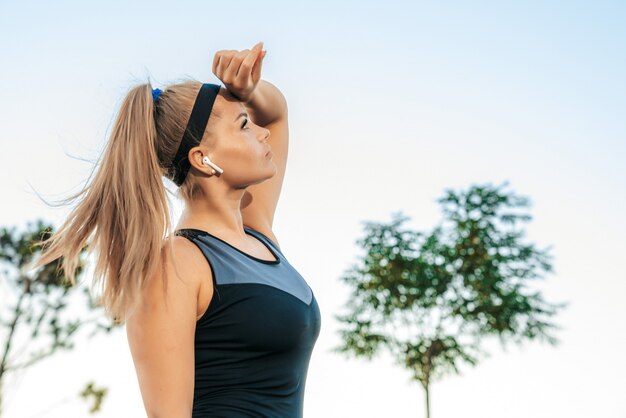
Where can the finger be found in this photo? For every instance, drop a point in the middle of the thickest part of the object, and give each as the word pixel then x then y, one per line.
pixel 219 59
pixel 216 60
pixel 250 60
pixel 233 67
pixel 256 70
pixel 223 65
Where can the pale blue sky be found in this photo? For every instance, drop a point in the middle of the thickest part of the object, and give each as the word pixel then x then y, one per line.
pixel 390 103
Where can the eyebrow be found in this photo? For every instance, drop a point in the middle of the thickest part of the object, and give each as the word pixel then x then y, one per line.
pixel 240 115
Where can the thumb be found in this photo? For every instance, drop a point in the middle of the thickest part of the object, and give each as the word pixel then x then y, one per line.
pixel 258 65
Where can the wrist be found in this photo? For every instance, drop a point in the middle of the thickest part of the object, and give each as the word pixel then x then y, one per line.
pixel 250 98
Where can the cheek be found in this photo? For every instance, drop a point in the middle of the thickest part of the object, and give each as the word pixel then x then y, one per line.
pixel 239 151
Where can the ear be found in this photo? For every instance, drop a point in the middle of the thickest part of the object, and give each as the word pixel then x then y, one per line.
pixel 195 158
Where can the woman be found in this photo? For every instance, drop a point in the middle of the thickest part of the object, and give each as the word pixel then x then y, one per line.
pixel 219 324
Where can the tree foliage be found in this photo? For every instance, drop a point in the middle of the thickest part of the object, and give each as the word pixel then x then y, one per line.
pixel 430 298
pixel 35 307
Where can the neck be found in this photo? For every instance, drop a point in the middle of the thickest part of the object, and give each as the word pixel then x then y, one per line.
pixel 219 213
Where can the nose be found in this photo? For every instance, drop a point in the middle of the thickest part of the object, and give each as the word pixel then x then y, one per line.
pixel 266 135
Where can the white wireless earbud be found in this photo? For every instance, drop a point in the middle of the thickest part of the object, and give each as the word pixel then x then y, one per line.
pixel 206 160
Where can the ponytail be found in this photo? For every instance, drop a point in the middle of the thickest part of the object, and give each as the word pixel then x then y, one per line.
pixel 125 206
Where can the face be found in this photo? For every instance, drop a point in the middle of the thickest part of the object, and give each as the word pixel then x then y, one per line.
pixel 236 144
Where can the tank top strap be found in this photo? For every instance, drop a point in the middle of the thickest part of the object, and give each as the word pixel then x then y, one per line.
pixel 265 239
pixel 230 265
pixel 212 256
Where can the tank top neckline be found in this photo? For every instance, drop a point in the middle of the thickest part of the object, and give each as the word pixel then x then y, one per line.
pixel 248 231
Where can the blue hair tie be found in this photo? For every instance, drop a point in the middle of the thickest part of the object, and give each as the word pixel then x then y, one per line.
pixel 155 94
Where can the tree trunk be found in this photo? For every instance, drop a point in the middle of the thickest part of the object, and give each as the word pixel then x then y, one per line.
pixel 4 361
pixel 427 389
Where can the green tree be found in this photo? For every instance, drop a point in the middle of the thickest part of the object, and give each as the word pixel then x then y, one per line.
pixel 41 302
pixel 431 298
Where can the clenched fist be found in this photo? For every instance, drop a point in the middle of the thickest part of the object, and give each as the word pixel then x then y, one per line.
pixel 240 71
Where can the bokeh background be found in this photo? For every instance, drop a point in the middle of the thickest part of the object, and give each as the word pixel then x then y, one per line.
pixel 390 103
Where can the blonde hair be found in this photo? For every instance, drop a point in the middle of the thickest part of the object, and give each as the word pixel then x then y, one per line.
pixel 125 206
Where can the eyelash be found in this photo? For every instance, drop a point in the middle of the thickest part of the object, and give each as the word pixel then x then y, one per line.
pixel 245 122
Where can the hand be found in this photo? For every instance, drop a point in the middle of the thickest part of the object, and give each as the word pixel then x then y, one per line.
pixel 240 71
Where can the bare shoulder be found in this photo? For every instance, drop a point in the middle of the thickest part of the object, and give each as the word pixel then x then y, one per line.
pixel 178 271
pixel 188 259
pixel 161 329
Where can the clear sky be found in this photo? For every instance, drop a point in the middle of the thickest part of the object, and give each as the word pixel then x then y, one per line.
pixel 390 103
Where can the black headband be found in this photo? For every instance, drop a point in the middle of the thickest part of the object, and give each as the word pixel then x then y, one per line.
pixel 195 129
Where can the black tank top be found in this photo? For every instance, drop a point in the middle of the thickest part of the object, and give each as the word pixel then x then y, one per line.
pixel 254 342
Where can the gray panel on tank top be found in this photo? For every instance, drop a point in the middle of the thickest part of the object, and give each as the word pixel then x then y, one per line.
pixel 232 267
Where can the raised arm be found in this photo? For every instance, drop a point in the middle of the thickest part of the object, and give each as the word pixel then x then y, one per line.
pixel 267 104
pixel 241 73
pixel 268 108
